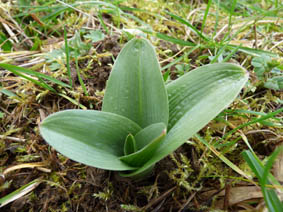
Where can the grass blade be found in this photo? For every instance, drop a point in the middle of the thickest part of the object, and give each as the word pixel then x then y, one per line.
pixel 263 173
pixel 173 40
pixel 21 71
pixel 205 15
pixel 168 38
pixel 67 51
pixel 222 157
pixel 19 193
pixel 43 85
pixel 251 51
pixel 217 18
pixel 80 78
pixel 181 20
pixel 269 115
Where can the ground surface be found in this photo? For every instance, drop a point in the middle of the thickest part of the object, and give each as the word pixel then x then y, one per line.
pixel 193 178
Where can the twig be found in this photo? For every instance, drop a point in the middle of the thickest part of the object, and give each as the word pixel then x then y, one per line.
pixel 187 202
pixel 10 32
pixel 156 200
pixel 23 166
pixel 276 45
pixel 227 196
pixel 32 63
pixel 12 138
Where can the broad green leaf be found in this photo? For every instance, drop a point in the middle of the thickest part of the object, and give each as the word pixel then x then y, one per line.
pixel 149 139
pixel 91 137
pixel 148 134
pixel 135 88
pixel 130 145
pixel 205 92
pixel 194 100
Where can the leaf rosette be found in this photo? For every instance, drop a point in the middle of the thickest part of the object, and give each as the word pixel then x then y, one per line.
pixel 142 120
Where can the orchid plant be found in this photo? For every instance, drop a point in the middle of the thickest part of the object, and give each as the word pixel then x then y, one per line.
pixel 142 119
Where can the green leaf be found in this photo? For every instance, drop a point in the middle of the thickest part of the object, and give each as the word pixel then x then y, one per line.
pixel 130 145
pixel 194 100
pixel 91 137
pixel 275 83
pixel 1 115
pixel 148 134
pixel 260 61
pixel 205 92
pixel 95 36
pixel 260 65
pixel 77 47
pixel 149 139
pixel 135 88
